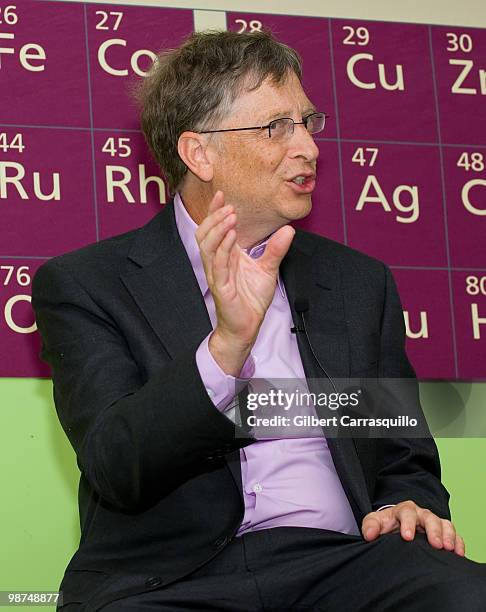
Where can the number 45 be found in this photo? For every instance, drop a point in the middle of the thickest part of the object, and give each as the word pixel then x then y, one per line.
pixel 360 158
pixel 117 146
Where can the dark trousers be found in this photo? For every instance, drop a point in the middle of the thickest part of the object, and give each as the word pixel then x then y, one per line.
pixel 297 568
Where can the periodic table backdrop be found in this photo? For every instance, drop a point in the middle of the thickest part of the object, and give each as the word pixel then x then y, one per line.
pixel 401 172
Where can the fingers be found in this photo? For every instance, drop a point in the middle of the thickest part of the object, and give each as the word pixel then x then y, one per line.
pixel 433 528
pixel 378 523
pixel 401 517
pixel 460 547
pixel 371 527
pixel 221 262
pixel 407 515
pixel 216 231
pixel 448 535
pixel 219 226
pixel 216 213
pixel 410 519
pixel 212 240
pixel 441 533
pixel 276 249
pixel 216 202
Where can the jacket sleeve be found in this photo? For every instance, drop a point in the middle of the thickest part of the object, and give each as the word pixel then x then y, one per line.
pixel 134 440
pixel 407 468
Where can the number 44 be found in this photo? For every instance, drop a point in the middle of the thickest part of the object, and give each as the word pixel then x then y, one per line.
pixel 15 143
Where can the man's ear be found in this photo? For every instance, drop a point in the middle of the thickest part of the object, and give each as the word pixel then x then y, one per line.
pixel 192 148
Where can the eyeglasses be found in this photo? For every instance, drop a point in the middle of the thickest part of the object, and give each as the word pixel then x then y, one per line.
pixel 283 128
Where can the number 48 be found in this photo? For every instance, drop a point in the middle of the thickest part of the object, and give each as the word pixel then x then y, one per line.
pixel 471 161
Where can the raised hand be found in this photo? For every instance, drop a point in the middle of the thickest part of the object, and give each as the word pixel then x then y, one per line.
pixel 242 287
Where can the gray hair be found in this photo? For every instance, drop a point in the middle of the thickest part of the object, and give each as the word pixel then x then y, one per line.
pixel 194 86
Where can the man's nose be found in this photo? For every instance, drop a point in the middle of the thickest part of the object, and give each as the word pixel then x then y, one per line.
pixel 303 144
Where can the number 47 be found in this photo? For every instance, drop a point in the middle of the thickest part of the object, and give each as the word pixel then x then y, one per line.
pixel 360 158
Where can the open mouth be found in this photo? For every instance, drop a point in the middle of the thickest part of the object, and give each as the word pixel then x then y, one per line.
pixel 302 184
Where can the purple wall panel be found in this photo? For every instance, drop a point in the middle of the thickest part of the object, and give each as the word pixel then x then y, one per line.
pixel 310 37
pixel 460 65
pixel 44 47
pixel 20 343
pixel 395 203
pixel 401 171
pixel 384 87
pixel 470 314
pixel 466 205
pixel 119 57
pixel 326 216
pixel 47 209
pixel 424 294
pixel 128 183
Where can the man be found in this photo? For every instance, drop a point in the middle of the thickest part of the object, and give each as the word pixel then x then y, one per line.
pixel 153 335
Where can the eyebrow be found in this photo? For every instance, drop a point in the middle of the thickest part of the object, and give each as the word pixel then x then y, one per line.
pixel 288 113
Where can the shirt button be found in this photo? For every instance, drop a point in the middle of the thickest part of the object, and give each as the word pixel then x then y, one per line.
pixel 257 488
pixel 154 581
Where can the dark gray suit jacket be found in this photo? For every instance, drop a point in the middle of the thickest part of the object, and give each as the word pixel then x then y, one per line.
pixel 160 488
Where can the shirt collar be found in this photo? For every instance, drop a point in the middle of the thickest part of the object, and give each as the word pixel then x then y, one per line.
pixel 187 227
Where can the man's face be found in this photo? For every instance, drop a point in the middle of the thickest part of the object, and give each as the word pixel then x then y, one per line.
pixel 254 171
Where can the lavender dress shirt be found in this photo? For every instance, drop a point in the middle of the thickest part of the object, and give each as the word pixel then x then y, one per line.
pixel 286 482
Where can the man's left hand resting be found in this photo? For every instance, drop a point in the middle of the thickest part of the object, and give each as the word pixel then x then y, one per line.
pixel 407 518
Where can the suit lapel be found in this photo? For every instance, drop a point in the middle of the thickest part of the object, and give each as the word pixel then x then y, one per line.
pixel 160 278
pixel 309 274
pixel 163 285
pixel 305 277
